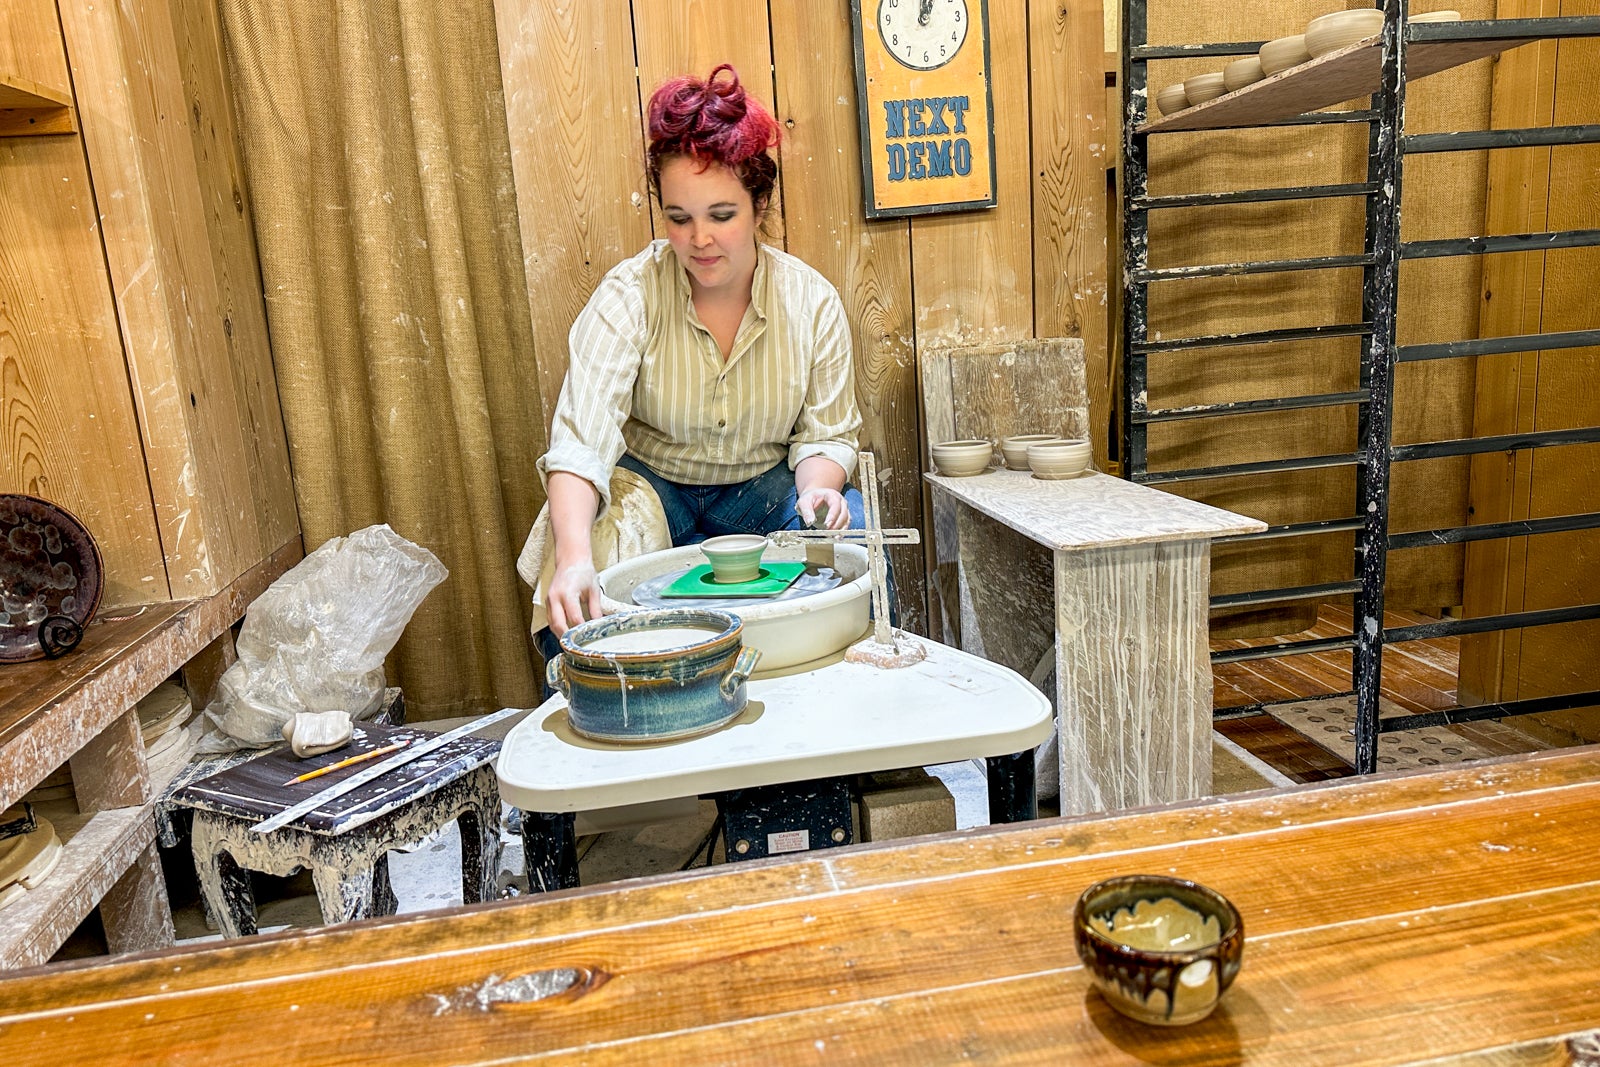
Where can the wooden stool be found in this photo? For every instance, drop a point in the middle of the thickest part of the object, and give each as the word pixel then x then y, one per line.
pixel 345 843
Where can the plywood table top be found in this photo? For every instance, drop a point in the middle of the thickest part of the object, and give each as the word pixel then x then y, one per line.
pixel 1445 917
pixel 811 721
pixel 1091 511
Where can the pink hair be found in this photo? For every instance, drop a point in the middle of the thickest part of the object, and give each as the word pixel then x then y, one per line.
pixel 714 121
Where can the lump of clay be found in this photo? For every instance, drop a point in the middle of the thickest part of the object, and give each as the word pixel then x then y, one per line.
pixel 311 733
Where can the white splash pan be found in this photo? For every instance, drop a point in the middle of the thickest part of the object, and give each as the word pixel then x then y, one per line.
pixel 786 631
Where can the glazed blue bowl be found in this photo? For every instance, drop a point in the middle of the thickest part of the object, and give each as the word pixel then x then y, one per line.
pixel 653 675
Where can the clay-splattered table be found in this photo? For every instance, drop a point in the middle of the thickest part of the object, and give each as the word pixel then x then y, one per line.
pixel 344 843
pixel 1120 588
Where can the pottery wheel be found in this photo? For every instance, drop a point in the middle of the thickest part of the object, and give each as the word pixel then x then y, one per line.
pixel 812 580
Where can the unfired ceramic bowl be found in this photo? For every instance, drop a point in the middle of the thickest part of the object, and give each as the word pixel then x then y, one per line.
pixel 1160 950
pixel 1203 87
pixel 1436 16
pixel 734 557
pixel 1331 32
pixel 1242 72
pixel 1172 99
pixel 1051 460
pixel 1283 53
pixel 960 459
pixel 1015 449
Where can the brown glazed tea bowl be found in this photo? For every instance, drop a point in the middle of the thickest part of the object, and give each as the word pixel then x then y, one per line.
pixel 1160 950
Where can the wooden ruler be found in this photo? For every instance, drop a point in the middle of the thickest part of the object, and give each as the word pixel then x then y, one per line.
pixel 377 770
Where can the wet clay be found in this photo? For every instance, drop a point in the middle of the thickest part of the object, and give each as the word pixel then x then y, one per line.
pixel 660 640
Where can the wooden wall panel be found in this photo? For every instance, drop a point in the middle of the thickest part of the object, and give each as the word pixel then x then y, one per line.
pixel 1512 303
pixel 30 45
pixel 1545 391
pixel 70 432
pixel 868 262
pixel 213 435
pixel 973 271
pixel 1070 154
pixel 249 405
pixel 572 107
pixel 691 37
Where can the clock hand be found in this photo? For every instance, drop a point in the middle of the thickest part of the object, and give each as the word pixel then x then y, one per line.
pixel 925 12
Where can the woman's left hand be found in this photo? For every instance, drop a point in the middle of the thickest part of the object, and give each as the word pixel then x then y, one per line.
pixel 814 500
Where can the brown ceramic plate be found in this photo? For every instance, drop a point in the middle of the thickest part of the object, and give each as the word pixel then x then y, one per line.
pixel 49 567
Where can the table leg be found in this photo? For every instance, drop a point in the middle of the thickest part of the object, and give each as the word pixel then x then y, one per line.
pixel 224 885
pixel 353 888
pixel 1012 793
pixel 480 844
pixel 1133 675
pixel 550 850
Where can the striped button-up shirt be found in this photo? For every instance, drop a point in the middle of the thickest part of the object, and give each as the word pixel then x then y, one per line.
pixel 645 376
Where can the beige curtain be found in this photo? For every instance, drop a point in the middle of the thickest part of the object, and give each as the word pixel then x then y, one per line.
pixel 379 170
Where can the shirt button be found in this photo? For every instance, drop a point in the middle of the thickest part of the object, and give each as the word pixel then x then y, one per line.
pixel 722 423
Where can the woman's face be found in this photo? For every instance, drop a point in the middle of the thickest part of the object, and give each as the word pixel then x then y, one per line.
pixel 711 223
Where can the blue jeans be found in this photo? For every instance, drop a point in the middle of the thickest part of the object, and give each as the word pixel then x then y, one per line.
pixel 758 505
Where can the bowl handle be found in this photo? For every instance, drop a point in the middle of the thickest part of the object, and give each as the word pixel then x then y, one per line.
pixel 554 676
pixel 743 668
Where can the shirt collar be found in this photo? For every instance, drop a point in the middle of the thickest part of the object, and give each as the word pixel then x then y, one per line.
pixel 760 284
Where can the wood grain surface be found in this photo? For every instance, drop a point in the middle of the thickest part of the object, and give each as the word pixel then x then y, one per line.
pixel 1401 919
pixel 1533 190
pixel 70 430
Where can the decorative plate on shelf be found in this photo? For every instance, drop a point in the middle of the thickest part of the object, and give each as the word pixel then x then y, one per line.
pixel 50 578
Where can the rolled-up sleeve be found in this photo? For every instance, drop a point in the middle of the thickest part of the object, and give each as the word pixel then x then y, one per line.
pixel 829 420
pixel 604 348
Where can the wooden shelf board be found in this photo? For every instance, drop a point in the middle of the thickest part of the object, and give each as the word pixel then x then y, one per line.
pixel 97 850
pixel 49 709
pixel 19 92
pixel 1346 74
pixel 29 108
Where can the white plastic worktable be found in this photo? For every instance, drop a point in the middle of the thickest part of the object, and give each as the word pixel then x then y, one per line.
pixel 823 719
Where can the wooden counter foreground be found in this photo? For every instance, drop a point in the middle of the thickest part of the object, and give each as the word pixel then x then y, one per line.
pixel 1444 917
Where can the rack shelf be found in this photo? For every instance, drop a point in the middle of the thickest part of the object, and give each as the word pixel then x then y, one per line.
pixel 26 107
pixel 81 709
pixel 1345 74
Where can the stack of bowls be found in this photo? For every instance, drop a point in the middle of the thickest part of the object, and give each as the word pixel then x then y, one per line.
pixel 1172 99
pixel 1203 87
pixel 1333 31
pixel 1053 460
pixel 1242 72
pixel 1283 53
pixel 1015 449
pixel 961 459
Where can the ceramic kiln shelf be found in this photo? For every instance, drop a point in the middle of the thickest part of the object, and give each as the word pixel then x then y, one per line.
pixel 815 617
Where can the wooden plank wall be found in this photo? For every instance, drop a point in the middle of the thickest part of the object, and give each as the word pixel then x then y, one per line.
pixel 71 434
pixel 138 388
pixel 1033 267
pixel 1444 196
pixel 1532 190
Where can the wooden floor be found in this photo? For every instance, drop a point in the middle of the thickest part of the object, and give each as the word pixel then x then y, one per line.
pixel 1418 676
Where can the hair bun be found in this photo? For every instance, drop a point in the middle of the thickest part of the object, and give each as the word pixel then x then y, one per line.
pixel 713 119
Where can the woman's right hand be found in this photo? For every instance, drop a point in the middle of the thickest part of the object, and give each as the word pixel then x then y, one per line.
pixel 573 594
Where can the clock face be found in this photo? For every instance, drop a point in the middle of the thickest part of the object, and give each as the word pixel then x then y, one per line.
pixel 923 34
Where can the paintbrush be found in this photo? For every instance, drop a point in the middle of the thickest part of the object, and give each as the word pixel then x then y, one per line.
pixel 359 757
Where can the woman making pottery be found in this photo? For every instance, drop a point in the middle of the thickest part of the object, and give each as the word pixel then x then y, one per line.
pixel 715 367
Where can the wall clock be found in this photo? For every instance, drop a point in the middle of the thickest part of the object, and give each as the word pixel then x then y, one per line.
pixel 925 105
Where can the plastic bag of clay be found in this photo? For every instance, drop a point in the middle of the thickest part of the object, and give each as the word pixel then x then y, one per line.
pixel 317 638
